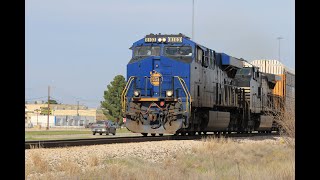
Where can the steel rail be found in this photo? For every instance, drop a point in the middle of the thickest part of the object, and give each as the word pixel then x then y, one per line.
pixel 98 141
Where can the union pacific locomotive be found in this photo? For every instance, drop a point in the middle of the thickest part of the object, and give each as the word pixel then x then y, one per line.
pixel 177 86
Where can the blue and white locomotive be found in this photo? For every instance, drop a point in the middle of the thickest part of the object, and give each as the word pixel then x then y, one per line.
pixel 177 86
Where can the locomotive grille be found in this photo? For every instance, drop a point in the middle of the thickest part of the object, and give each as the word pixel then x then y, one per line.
pixel 244 97
pixel 247 93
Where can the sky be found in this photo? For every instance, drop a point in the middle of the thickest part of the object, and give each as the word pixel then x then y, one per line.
pixel 77 47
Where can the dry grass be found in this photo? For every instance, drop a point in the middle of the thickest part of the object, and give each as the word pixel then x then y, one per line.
pixel 213 159
pixel 225 159
pixel 93 161
pixel 40 165
pixel 286 119
pixel 69 167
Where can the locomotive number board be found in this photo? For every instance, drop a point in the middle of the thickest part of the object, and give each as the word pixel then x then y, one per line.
pixel 175 39
pixel 150 39
pixel 170 39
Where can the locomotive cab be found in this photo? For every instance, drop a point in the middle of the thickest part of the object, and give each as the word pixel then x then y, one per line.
pixel 243 77
pixel 157 98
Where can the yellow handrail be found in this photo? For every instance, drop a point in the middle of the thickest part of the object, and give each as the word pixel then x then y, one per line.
pixel 124 93
pixel 181 80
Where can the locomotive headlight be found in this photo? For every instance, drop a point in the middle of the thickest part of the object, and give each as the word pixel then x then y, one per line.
pixel 169 93
pixel 160 39
pixel 136 93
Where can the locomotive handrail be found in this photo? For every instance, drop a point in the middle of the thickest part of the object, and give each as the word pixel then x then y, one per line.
pixel 183 84
pixel 186 89
pixel 190 99
pixel 181 80
pixel 124 93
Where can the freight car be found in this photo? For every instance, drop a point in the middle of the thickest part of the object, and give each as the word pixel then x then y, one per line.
pixel 177 86
pixel 285 88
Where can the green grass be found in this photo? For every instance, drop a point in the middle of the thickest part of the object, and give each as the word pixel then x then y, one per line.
pixel 123 130
pixel 48 138
pixel 64 134
pixel 33 133
pixel 67 132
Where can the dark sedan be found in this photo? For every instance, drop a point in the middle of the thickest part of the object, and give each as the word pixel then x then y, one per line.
pixel 104 126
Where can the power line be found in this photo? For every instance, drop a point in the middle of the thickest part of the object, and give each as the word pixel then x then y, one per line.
pixel 37 98
pixel 53 98
pixel 80 99
pixel 76 98
pixel 68 94
pixel 48 107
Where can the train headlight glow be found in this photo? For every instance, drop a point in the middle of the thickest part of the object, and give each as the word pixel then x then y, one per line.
pixel 136 93
pixel 169 93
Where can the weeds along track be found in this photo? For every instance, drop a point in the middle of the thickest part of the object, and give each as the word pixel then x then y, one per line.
pixel 97 141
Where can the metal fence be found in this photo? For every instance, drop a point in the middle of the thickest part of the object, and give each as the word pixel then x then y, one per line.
pixel 74 120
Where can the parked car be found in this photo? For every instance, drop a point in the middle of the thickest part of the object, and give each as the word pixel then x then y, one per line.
pixel 104 126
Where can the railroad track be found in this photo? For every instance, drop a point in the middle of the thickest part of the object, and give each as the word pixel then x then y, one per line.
pixel 97 141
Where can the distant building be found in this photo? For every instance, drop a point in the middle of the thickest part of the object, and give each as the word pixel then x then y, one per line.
pixel 27 113
pixel 62 114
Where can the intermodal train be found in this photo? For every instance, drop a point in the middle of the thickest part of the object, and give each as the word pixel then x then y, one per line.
pixel 177 86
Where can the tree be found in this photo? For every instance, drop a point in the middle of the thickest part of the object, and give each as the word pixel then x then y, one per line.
pixel 52 101
pixel 112 96
pixel 44 111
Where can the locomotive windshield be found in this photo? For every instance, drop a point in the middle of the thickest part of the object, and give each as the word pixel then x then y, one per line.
pixel 147 51
pixel 178 51
pixel 243 77
pixel 244 71
pixel 141 52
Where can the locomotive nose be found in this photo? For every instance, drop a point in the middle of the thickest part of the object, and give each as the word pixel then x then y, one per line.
pixel 161 76
pixel 156 77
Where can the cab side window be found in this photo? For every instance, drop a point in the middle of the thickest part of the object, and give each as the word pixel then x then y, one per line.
pixel 211 59
pixel 205 59
pixel 200 55
pixel 254 73
pixel 214 59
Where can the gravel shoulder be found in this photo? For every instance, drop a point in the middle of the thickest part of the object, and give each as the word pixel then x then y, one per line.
pixel 267 157
pixel 150 151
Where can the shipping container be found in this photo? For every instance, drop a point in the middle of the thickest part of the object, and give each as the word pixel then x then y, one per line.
pixel 285 87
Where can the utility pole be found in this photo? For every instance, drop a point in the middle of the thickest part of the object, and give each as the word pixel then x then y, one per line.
pixel 120 110
pixel 48 107
pixel 37 110
pixel 78 109
pixel 192 20
pixel 279 38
